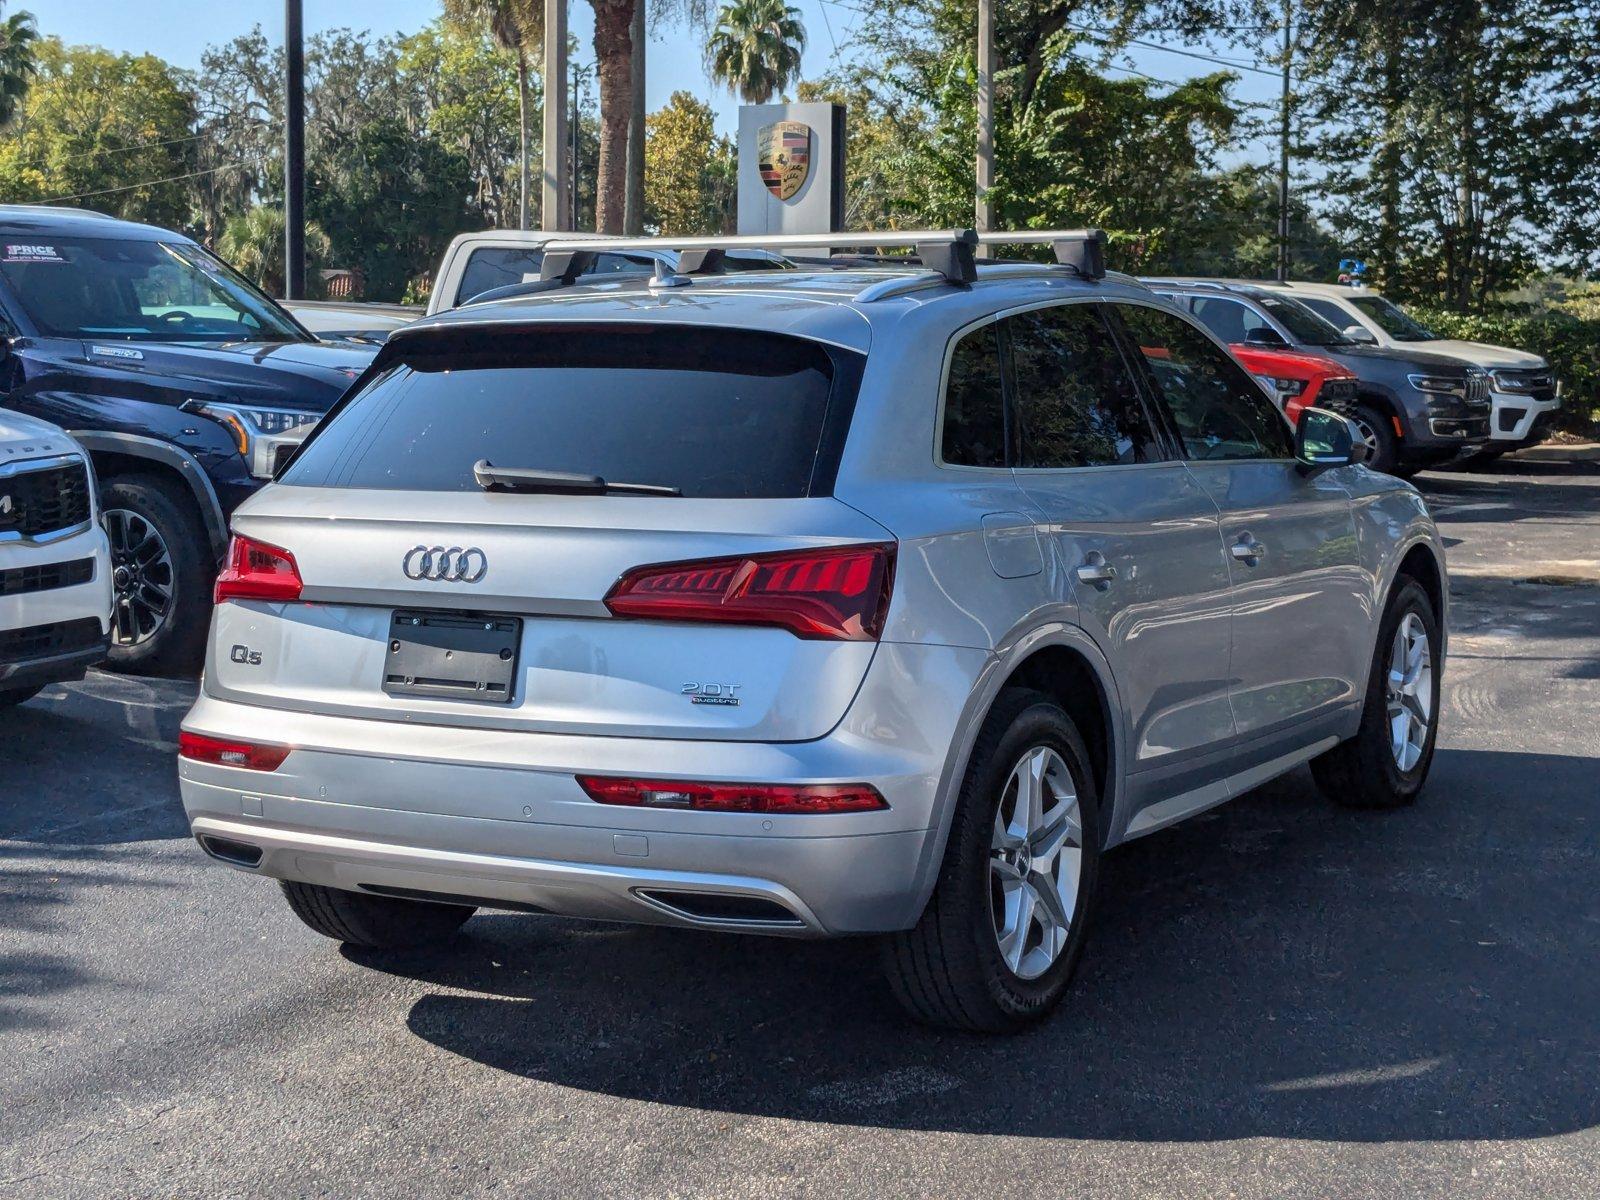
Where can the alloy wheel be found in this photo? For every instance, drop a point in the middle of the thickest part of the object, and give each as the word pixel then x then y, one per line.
pixel 142 577
pixel 1369 438
pixel 1410 688
pixel 1035 859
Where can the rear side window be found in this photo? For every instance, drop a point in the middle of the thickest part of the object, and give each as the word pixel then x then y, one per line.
pixel 974 403
pixel 714 413
pixel 1075 399
pixel 491 267
pixel 1219 411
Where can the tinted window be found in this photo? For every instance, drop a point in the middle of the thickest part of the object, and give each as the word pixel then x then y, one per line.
pixel 974 405
pixel 1303 324
pixel 502 266
pixel 1329 311
pixel 1394 320
pixel 1230 320
pixel 715 414
pixel 1217 407
pixel 1076 402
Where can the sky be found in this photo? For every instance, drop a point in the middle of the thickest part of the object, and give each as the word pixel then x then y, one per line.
pixel 178 30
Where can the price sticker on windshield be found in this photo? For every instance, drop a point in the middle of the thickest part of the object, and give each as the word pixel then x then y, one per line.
pixel 30 252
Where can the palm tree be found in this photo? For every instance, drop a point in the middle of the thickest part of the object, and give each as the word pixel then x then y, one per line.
pixel 253 242
pixel 613 59
pixel 517 26
pixel 755 49
pixel 18 63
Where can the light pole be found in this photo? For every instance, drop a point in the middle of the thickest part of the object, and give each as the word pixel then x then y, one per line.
pixel 984 210
pixel 1283 147
pixel 294 153
pixel 555 185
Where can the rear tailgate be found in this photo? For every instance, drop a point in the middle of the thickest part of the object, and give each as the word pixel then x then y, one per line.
pixel 748 426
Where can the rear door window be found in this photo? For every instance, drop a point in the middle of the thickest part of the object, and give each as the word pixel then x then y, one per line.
pixel 974 433
pixel 1076 401
pixel 714 413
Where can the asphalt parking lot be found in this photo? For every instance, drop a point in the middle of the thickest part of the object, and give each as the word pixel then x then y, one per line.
pixel 1282 998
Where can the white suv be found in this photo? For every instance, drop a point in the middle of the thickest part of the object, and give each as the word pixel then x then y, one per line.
pixel 55 563
pixel 1522 386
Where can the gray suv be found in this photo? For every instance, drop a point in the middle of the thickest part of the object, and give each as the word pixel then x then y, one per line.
pixel 1413 409
pixel 874 600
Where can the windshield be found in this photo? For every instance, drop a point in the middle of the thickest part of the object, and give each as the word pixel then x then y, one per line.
pixel 1304 326
pixel 1394 320
pixel 126 290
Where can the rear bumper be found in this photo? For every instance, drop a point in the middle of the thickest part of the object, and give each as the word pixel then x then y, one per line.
pixel 497 816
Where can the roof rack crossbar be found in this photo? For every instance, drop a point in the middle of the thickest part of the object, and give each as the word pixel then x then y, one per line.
pixel 1084 250
pixel 950 252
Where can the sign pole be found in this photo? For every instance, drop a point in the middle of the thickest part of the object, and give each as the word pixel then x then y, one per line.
pixel 554 184
pixel 294 153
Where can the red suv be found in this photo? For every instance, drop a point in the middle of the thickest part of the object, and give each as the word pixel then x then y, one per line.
pixel 1297 380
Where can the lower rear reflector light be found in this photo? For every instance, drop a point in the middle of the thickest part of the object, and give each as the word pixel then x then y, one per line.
pixel 252 757
pixel 734 797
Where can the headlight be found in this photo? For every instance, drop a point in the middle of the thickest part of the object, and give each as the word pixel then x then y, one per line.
pixel 1440 385
pixel 1284 387
pixel 260 434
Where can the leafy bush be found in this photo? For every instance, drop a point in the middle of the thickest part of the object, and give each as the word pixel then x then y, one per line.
pixel 1566 336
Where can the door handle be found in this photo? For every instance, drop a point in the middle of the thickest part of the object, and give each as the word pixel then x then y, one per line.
pixel 1097 571
pixel 1247 550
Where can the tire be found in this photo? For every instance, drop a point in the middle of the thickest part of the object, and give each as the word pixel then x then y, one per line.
pixel 1377 432
pixel 377 922
pixel 176 565
pixel 12 697
pixel 949 969
pixel 1368 771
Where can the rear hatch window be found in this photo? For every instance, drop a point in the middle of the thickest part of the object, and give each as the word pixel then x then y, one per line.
pixel 715 413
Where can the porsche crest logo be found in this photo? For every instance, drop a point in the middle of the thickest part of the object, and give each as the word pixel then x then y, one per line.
pixel 784 156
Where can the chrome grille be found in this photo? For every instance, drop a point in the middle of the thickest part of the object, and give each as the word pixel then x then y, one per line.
pixel 1478 388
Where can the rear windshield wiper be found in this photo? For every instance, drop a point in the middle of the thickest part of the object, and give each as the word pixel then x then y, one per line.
pixel 529 479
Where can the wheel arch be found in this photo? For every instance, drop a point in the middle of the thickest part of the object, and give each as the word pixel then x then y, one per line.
pixel 115 454
pixel 1063 662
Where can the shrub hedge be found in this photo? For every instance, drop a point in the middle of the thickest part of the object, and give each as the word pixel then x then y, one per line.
pixel 1569 341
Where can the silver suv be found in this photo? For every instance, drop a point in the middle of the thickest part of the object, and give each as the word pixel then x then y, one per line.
pixel 873 600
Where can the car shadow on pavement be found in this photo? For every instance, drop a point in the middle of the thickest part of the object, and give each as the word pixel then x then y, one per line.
pixel 1280 967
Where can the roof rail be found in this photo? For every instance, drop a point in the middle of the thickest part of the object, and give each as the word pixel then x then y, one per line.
pixel 949 252
pixel 1083 250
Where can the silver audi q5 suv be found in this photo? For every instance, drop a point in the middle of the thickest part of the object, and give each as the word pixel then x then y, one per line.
pixel 876 599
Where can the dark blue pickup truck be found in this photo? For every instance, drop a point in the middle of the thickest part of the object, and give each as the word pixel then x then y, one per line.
pixel 185 383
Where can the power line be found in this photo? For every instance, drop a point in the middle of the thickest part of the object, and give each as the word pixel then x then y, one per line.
pixel 1238 65
pixel 246 162
pixel 193 137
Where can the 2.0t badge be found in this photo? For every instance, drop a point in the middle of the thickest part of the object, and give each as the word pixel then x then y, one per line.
pixel 445 564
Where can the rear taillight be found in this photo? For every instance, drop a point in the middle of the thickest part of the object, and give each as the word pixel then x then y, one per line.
pixel 249 755
pixel 734 797
pixel 837 592
pixel 257 571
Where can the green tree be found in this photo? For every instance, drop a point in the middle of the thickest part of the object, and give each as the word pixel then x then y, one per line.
pixel 518 27
pixel 756 48
pixel 254 242
pixel 688 182
pixel 109 131
pixel 18 37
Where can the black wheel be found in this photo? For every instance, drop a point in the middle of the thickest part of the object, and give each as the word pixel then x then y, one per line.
pixel 10 697
pixel 1377 436
pixel 378 922
pixel 161 576
pixel 1002 934
pixel 1386 763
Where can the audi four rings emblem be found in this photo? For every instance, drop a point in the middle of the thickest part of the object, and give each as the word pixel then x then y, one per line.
pixel 445 564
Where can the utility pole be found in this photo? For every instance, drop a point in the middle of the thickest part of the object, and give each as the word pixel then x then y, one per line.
pixel 554 183
pixel 294 153
pixel 633 202
pixel 1283 147
pixel 984 214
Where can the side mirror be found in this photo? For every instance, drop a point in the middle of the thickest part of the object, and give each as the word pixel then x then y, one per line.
pixel 1324 439
pixel 1360 333
pixel 1264 335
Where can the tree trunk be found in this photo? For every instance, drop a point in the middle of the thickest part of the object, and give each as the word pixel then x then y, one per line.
pixel 613 52
pixel 634 216
pixel 524 173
